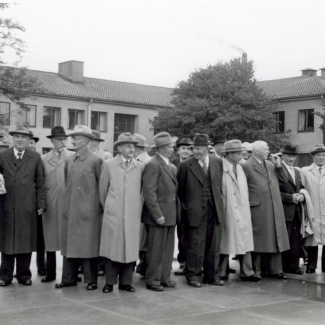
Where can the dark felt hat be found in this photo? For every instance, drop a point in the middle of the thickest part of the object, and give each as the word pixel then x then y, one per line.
pixel 57 131
pixel 96 133
pixel 219 138
pixel 185 142
pixel 36 139
pixel 289 149
pixel 201 140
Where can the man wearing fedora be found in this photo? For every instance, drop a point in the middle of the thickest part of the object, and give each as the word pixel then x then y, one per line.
pixel 160 213
pixel 54 180
pixel 32 142
pixel 219 144
pixel 81 218
pixel 141 155
pixel 269 227
pixel 200 193
pixel 290 186
pixel 94 146
pixel 313 179
pixel 120 195
pixel 237 233
pixel 23 203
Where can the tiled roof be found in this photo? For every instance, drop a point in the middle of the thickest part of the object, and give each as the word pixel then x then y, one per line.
pixel 293 87
pixel 103 90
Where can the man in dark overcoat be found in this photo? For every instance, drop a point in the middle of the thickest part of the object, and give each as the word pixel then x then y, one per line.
pixel 200 193
pixel 268 221
pixel 23 203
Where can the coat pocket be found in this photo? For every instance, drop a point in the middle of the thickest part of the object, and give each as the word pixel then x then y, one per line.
pixel 254 203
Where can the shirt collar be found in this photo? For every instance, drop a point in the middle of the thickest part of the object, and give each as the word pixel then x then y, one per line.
pixel 125 160
pixel 16 153
pixel 166 160
pixel 287 166
pixel 259 161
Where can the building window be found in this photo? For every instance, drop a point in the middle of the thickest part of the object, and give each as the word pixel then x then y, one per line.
pixel 306 120
pixel 123 123
pixel 76 117
pixel 99 121
pixel 29 115
pixel 5 113
pixel 279 117
pixel 51 117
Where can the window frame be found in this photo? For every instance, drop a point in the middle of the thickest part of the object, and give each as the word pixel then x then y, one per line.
pixel 25 112
pixel 52 107
pixel 98 119
pixel 75 110
pixel 7 113
pixel 279 123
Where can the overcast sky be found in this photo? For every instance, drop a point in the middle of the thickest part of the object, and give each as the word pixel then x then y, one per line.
pixel 160 42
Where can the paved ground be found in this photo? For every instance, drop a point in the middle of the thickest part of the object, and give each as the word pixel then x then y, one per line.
pixel 298 300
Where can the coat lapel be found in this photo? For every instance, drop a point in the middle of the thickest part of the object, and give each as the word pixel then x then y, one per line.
pixel 196 169
pixel 259 168
pixel 289 175
pixel 25 159
pixel 228 170
pixel 168 169
pixel 12 158
pixel 314 170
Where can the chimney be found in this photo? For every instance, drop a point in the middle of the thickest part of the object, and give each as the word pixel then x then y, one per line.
pixel 72 70
pixel 322 73
pixel 308 72
pixel 244 58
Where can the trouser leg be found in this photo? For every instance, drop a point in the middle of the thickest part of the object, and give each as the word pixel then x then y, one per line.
pixel 181 252
pixel 245 262
pixel 51 264
pixel 168 254
pixel 101 263
pixel 40 252
pixel 7 267
pixel 256 262
pixel 323 258
pixel 223 263
pixel 155 254
pixel 90 266
pixel 112 270
pixel 125 273
pixel 312 252
pixel 23 266
pixel 275 263
pixel 70 269
pixel 141 267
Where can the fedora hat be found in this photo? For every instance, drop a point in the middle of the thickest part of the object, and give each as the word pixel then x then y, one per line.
pixel 141 140
pixel 233 146
pixel 57 131
pixel 125 138
pixel 201 140
pixel 318 148
pixel 36 139
pixel 289 149
pixel 163 138
pixel 96 133
pixel 219 138
pixel 21 129
pixel 83 130
pixel 185 142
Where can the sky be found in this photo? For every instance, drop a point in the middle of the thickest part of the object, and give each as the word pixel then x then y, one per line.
pixel 160 42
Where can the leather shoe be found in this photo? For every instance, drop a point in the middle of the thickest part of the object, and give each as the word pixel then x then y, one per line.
pixel 108 288
pixel 280 276
pixel 180 272
pixel 92 286
pixel 25 282
pixel 194 283
pixel 251 278
pixel 310 271
pixel 65 285
pixel 170 284
pixel 47 278
pixel 217 282
pixel 155 287
pixel 126 287
pixel 41 272
pixel 231 270
pixel 4 283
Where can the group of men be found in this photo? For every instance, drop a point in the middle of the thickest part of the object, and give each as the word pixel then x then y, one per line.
pixel 104 212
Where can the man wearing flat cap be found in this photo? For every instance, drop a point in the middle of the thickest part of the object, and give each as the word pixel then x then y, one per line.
pixel 94 146
pixel 81 217
pixel 120 195
pixel 290 186
pixel 54 180
pixel 160 213
pixel 200 193
pixel 237 233
pixel 23 203
pixel 313 179
pixel 141 155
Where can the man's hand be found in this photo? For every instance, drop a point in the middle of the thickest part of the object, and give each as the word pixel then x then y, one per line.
pixel 161 221
pixel 302 197
pixel 40 211
pixel 297 197
pixel 276 160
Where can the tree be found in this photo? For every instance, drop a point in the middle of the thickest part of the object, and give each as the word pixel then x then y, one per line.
pixel 15 83
pixel 322 116
pixel 223 98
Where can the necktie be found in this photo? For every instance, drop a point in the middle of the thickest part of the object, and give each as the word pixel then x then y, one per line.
pixel 292 172
pixel 19 157
pixel 205 167
pixel 127 163
pixel 235 171
pixel 320 170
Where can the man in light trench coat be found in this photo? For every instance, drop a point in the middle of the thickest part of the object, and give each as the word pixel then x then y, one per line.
pixel 53 163
pixel 120 195
pixel 81 212
pixel 237 233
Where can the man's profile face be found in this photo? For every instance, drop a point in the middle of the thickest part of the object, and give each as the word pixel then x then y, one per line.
pixel 21 141
pixel 59 143
pixel 289 159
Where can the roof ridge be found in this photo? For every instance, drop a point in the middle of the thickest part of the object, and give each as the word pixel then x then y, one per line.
pixel 282 79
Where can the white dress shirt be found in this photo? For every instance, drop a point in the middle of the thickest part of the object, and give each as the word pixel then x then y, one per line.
pixel 206 159
pixel 166 160
pixel 16 153
pixel 291 171
pixel 126 160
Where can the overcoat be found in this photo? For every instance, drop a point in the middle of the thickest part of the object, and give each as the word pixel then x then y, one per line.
pixel 25 195
pixel 103 154
pixel 269 227
pixel 54 184
pixel 120 195
pixel 314 183
pixel 81 210
pixel 237 233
